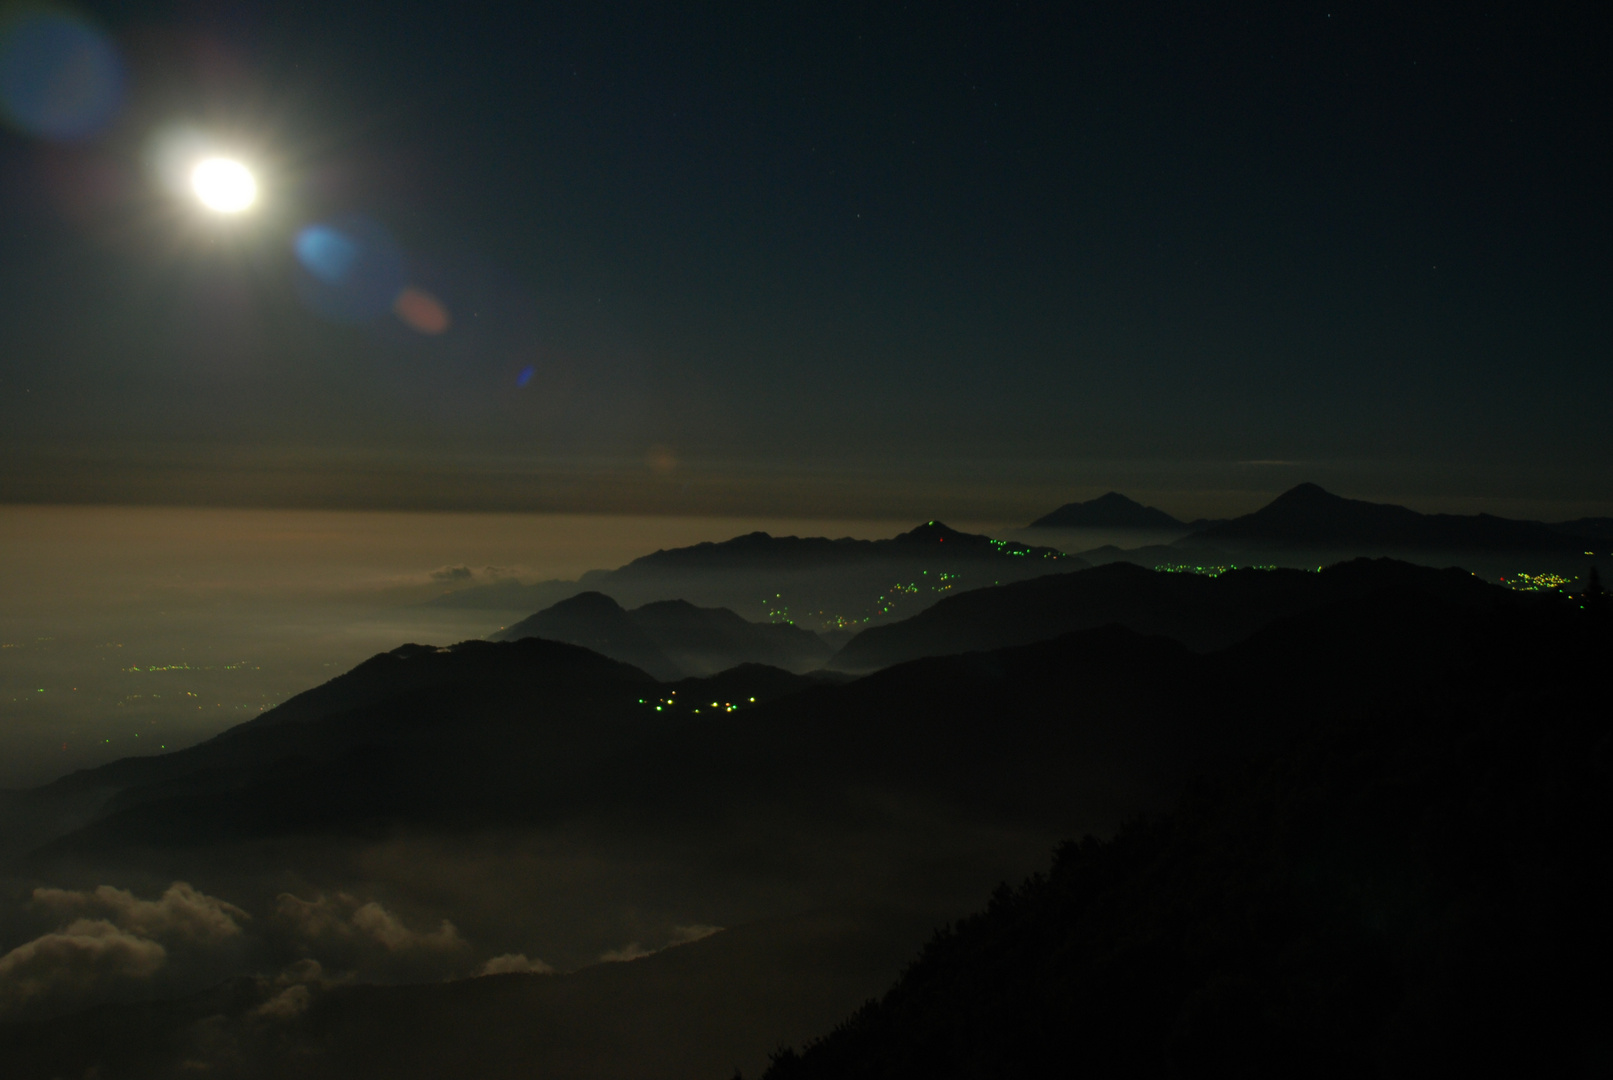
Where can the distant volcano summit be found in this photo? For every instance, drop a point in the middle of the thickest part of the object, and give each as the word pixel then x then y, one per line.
pixel 1308 516
pixel 1111 511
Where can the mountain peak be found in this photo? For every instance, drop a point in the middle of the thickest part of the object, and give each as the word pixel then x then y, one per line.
pixel 933 532
pixel 1307 493
pixel 1309 516
pixel 1110 510
pixel 936 539
pixel 588 603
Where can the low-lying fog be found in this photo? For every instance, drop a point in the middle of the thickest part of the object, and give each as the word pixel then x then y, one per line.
pixel 131 630
pixel 796 857
pixel 127 631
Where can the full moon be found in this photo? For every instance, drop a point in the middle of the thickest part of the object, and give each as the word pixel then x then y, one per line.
pixel 223 185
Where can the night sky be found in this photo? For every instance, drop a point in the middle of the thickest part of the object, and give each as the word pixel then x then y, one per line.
pixel 861 259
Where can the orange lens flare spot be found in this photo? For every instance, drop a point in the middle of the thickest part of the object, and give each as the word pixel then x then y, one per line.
pixel 661 459
pixel 421 311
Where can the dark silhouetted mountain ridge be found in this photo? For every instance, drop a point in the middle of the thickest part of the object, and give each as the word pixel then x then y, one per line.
pixel 1201 611
pixel 934 540
pixel 1110 511
pixel 815 583
pixel 672 638
pixel 1307 516
pixel 1326 733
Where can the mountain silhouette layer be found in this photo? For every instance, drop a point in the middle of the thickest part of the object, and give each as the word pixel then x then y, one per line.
pixel 1201 611
pixel 460 743
pixel 1307 516
pixel 1398 793
pixel 816 583
pixel 672 638
pixel 1599 528
pixel 528 729
pixel 934 541
pixel 1110 511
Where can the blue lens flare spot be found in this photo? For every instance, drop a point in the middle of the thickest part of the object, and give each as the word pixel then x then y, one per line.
pixel 60 77
pixel 525 376
pixel 353 269
pixel 326 253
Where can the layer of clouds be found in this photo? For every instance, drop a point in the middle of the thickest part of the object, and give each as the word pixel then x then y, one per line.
pixel 304 972
pixel 182 912
pixel 287 1004
pixel 342 917
pixel 110 936
pixel 468 575
pixel 515 963
pixel 681 935
pixel 631 951
pixel 294 989
pixel 73 961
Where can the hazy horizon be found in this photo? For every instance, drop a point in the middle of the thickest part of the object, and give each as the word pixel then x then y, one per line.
pixel 131 630
pixel 244 608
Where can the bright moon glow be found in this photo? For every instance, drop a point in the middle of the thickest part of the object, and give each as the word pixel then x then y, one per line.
pixel 224 185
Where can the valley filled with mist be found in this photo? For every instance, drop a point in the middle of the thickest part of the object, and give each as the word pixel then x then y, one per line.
pixel 697 806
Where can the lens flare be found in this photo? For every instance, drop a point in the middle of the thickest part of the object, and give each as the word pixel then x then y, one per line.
pixel 421 311
pixel 60 77
pixel 327 253
pixel 353 272
pixel 661 459
pixel 223 185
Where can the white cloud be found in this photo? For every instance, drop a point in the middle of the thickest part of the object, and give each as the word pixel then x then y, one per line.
pixel 384 927
pixel 288 1003
pixel 317 917
pixel 681 935
pixel 515 962
pixel 75 959
pixel 631 951
pixel 296 986
pixel 342 916
pixel 110 935
pixel 306 970
pixel 182 912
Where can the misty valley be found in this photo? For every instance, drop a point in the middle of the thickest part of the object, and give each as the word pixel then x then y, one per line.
pixel 1321 790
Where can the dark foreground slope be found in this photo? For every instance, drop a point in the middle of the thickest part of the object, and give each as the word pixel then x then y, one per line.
pixel 1406 730
pixel 1414 858
pixel 1199 611
pixel 1410 884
